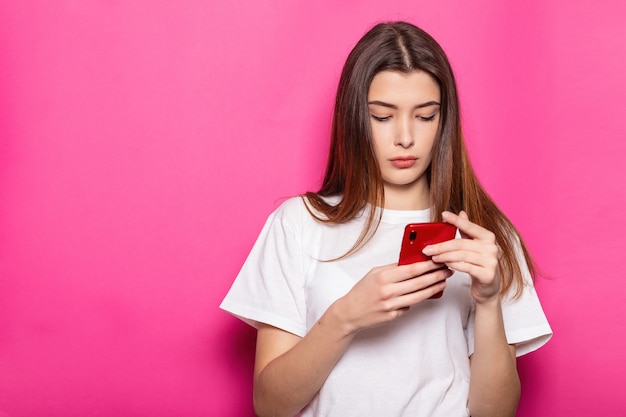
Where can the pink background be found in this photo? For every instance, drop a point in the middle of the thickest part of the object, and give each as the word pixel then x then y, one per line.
pixel 143 143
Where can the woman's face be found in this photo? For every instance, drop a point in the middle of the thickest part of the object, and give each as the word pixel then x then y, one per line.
pixel 404 114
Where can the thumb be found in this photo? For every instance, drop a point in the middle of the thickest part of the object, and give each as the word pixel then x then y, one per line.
pixel 463 215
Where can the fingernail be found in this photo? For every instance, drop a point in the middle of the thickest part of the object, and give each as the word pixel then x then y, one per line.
pixel 427 250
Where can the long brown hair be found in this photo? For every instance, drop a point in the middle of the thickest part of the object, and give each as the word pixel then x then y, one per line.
pixel 352 172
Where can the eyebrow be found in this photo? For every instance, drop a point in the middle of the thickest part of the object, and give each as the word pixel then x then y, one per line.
pixel 393 106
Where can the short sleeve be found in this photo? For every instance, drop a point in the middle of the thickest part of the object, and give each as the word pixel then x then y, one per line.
pixel 270 286
pixel 525 322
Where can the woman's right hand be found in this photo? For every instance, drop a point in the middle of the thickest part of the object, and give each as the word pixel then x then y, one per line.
pixel 386 292
pixel 382 295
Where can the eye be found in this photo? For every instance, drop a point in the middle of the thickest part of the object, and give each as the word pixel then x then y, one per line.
pixel 380 118
pixel 427 118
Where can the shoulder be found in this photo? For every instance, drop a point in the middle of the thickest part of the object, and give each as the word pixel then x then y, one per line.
pixel 300 210
pixel 291 210
pixel 291 215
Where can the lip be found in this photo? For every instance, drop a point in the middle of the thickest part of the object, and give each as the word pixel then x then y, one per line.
pixel 403 161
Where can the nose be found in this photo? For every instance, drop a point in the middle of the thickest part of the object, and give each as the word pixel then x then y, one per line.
pixel 404 134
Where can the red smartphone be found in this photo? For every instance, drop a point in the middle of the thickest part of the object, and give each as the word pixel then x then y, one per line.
pixel 419 235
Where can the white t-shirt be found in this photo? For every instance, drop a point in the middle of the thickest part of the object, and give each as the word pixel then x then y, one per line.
pixel 417 365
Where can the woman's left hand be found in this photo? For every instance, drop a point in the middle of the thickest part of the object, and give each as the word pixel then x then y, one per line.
pixel 476 253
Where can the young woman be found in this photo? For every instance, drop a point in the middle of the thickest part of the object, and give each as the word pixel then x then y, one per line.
pixel 342 329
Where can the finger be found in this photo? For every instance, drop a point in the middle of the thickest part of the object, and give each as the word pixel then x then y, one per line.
pixel 470 245
pixel 392 273
pixel 421 295
pixel 404 272
pixel 467 227
pixel 463 215
pixel 424 281
pixel 483 275
pixel 488 261
pixel 448 245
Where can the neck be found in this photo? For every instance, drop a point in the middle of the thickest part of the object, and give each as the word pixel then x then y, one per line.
pixel 413 197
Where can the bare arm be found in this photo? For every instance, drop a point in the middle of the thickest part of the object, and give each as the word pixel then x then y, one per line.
pixel 494 382
pixel 289 370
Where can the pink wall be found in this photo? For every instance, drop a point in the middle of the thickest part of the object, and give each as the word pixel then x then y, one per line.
pixel 142 145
